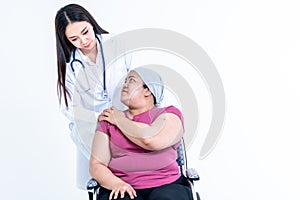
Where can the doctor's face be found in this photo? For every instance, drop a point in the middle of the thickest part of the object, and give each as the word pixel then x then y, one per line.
pixel 81 35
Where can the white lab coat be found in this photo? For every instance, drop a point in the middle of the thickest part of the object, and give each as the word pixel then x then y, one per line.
pixel 86 100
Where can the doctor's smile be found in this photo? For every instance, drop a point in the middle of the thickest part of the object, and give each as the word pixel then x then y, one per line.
pixel 87 46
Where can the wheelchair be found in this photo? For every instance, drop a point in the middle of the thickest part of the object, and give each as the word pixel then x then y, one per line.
pixel 190 174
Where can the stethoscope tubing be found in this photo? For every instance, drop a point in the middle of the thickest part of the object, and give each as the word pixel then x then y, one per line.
pixel 103 63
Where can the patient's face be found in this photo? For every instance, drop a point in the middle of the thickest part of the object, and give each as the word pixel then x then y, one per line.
pixel 133 90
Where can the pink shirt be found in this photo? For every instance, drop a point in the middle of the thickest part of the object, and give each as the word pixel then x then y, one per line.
pixel 139 167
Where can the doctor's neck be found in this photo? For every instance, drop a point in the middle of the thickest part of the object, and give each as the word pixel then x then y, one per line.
pixel 90 53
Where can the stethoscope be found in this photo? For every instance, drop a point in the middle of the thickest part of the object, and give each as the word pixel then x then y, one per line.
pixel 105 94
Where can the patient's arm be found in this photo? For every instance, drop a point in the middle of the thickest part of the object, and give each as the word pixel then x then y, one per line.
pixel 99 160
pixel 165 131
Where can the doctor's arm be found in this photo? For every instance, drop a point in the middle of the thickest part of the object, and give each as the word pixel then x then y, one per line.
pixel 99 161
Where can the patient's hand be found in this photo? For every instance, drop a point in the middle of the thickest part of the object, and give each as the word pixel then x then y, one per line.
pixel 111 115
pixel 121 188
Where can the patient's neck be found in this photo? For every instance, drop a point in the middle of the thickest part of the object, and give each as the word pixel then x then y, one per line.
pixel 135 111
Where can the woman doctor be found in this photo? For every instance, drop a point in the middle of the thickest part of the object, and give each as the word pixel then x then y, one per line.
pixel 85 82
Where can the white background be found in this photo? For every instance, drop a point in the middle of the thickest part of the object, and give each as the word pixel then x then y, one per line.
pixel 255 45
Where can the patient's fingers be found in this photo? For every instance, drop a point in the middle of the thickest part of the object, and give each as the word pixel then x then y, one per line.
pixel 121 190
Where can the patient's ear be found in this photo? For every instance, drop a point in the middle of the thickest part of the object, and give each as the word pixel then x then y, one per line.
pixel 147 92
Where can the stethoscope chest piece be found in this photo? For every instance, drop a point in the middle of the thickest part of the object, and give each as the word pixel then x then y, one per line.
pixel 103 95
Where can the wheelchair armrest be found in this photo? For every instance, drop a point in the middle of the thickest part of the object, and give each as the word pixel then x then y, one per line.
pixel 192 174
pixel 92 185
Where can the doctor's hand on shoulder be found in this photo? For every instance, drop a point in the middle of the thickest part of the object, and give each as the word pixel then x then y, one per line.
pixel 111 115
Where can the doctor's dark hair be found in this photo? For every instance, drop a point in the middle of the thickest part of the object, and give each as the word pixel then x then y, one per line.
pixel 64 48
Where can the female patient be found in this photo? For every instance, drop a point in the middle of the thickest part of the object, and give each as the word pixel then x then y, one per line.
pixel 134 151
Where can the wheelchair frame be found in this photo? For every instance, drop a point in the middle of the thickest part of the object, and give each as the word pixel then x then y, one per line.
pixel 191 174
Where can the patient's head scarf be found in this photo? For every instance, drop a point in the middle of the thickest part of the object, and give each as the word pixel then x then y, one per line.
pixel 153 81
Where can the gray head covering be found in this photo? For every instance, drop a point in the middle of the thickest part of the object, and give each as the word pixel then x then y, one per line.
pixel 153 81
